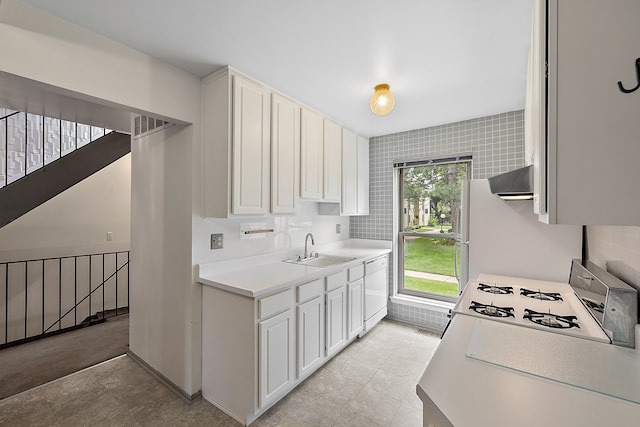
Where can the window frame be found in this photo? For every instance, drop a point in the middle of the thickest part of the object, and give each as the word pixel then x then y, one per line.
pixel 399 234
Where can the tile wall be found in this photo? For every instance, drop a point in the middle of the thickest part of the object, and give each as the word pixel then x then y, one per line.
pixel 496 144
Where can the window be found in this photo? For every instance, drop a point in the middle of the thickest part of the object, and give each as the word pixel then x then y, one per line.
pixel 430 227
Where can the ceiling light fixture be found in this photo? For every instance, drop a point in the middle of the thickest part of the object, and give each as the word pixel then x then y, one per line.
pixel 382 101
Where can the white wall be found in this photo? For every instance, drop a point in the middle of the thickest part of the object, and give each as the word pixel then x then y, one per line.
pixel 616 249
pixel 163 295
pixel 507 239
pixel 77 220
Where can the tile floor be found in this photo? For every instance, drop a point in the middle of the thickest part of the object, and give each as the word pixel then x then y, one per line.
pixel 370 383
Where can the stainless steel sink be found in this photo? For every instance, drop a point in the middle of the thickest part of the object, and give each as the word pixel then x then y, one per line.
pixel 319 260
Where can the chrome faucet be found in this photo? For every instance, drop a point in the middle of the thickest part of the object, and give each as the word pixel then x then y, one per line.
pixel 306 241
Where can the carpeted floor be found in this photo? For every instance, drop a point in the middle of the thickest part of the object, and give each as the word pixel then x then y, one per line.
pixel 38 362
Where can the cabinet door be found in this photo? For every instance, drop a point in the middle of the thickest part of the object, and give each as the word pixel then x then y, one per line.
pixel 336 320
pixel 349 173
pixel 285 154
pixel 277 356
pixel 251 152
pixel 332 161
pixel 593 105
pixel 311 155
pixel 363 176
pixel 310 335
pixel 356 307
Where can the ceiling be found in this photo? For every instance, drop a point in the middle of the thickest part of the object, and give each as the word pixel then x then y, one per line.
pixel 445 60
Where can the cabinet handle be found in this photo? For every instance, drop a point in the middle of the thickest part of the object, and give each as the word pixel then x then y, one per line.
pixel 585 277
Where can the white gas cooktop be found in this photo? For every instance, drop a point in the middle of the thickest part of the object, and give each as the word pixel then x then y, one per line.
pixel 549 306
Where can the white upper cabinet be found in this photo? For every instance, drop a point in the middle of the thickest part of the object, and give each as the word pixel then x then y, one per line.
pixel 535 136
pixel 355 174
pixel 586 134
pixel 363 176
pixel 262 151
pixel 311 155
pixel 320 158
pixel 236 140
pixel 251 142
pixel 332 161
pixel 285 154
pixel 349 204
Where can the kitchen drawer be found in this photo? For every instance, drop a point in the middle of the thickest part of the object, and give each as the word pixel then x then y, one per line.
pixel 309 290
pixel 356 272
pixel 336 280
pixel 275 304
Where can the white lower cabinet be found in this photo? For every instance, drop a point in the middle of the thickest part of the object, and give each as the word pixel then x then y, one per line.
pixel 336 320
pixel 355 299
pixel 336 304
pixel 310 323
pixel 254 351
pixel 310 335
pixel 277 356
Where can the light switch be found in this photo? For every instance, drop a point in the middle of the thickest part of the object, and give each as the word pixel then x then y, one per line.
pixel 109 236
pixel 216 241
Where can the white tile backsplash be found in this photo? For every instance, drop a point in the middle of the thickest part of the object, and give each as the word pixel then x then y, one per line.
pixel 289 233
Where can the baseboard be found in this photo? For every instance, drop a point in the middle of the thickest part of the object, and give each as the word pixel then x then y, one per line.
pixel 189 398
pixel 431 329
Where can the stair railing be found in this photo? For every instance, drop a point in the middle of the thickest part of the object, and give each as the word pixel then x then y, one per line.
pixel 29 142
pixel 64 293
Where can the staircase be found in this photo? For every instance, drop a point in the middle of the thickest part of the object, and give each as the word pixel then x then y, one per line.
pixel 40 157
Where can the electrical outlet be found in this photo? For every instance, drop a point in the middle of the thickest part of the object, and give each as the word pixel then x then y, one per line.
pixel 109 236
pixel 338 228
pixel 216 241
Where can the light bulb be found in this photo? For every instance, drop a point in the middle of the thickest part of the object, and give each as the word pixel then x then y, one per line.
pixel 382 101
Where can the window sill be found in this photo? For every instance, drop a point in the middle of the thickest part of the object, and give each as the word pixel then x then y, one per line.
pixel 425 303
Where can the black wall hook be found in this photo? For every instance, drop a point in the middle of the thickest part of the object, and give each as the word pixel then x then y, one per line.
pixel 622 89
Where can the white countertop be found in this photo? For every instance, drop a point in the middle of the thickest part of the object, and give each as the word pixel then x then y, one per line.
pixel 471 392
pixel 260 276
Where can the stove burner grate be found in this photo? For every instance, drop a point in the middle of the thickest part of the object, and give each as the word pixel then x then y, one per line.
pixel 491 310
pixel 539 295
pixel 551 320
pixel 494 289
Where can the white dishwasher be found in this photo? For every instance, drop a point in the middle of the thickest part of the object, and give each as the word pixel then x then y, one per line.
pixel 376 291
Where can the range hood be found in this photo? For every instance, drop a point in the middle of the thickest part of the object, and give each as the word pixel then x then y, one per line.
pixel 514 185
